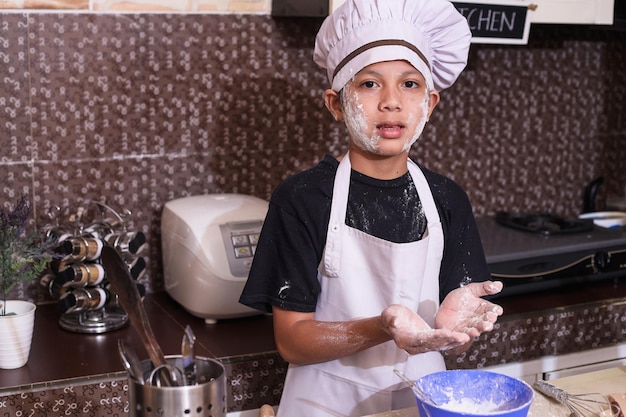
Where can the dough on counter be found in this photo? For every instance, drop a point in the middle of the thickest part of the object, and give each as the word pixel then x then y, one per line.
pixel 266 411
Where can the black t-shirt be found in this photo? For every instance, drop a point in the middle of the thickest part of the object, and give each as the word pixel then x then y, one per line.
pixel 285 266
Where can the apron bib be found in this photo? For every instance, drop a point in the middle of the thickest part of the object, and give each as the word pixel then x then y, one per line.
pixel 360 275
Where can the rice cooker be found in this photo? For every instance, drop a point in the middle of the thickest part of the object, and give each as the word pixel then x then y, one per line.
pixel 208 243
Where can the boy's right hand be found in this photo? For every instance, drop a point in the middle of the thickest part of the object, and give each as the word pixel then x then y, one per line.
pixel 411 333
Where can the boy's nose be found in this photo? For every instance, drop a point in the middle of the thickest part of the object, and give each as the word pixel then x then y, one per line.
pixel 390 100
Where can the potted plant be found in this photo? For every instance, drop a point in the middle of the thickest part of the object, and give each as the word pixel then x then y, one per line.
pixel 23 256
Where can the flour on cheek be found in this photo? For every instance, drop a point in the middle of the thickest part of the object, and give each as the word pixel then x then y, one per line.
pixel 420 127
pixel 356 122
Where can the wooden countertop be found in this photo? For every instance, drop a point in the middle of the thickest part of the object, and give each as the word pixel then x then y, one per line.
pixel 605 382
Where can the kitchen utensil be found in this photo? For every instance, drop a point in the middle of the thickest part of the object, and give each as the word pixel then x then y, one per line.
pixel 166 372
pixel 419 393
pixel 580 405
pixel 207 398
pixel 189 356
pixel 473 392
pixel 128 296
pixel 130 361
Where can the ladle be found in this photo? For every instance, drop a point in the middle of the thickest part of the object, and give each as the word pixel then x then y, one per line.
pixel 124 286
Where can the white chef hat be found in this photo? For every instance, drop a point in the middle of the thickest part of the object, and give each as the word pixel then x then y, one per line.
pixel 430 34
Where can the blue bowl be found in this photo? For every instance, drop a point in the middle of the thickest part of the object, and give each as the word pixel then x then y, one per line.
pixel 474 393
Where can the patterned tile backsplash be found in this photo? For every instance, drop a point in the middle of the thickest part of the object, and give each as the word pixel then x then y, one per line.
pixel 140 109
pixel 251 381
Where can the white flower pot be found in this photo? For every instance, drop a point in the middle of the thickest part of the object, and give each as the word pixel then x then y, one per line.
pixel 16 333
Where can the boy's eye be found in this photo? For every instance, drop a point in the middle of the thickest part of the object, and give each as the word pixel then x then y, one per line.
pixel 369 84
pixel 411 84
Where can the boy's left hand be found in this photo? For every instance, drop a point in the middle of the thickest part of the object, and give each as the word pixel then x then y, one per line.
pixel 464 311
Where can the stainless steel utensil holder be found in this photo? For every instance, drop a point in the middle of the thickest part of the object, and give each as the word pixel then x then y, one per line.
pixel 205 399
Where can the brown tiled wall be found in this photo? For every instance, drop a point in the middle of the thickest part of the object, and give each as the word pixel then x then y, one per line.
pixel 172 6
pixel 145 108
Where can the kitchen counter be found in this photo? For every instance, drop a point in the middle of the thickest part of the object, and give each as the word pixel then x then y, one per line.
pixel 605 382
pixel 84 371
pixel 57 354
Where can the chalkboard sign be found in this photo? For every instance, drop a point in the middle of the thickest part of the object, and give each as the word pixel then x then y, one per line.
pixel 496 23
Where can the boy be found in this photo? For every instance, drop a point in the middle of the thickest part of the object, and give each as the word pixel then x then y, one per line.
pixel 356 255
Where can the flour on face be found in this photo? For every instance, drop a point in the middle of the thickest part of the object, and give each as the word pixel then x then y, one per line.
pixel 420 127
pixel 356 122
pixel 366 135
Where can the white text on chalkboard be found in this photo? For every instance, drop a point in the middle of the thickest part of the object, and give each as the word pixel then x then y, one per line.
pixel 487 20
pixel 496 23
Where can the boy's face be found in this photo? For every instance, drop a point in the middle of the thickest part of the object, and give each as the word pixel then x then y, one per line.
pixel 385 107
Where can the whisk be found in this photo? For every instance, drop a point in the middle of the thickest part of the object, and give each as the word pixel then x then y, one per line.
pixel 579 405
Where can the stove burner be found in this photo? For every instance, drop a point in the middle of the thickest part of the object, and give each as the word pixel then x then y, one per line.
pixel 543 223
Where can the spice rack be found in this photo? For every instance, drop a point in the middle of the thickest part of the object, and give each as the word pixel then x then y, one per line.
pixel 76 277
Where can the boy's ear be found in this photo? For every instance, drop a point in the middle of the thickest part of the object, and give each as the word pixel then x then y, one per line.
pixel 333 104
pixel 432 103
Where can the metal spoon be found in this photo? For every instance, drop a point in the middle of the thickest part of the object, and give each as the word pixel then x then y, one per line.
pixel 125 287
pixel 189 356
pixel 130 361
pixel 417 390
pixel 164 372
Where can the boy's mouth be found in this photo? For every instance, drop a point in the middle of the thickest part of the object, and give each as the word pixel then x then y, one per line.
pixel 390 130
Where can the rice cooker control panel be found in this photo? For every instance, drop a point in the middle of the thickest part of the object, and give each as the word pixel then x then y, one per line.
pixel 240 240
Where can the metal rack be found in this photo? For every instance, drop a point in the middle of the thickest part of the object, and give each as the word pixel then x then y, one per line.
pixel 75 277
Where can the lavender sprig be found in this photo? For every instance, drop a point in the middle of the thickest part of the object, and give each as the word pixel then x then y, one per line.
pixel 23 256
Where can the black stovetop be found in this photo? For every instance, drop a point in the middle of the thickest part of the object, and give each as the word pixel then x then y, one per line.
pixel 529 262
pixel 504 244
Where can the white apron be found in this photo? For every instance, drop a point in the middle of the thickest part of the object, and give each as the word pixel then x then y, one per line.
pixel 361 275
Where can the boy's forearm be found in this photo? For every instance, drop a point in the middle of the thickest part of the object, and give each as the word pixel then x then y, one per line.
pixel 312 341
